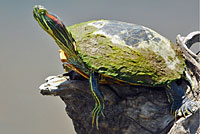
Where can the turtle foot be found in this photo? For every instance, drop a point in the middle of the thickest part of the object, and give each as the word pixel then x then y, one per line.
pixel 184 108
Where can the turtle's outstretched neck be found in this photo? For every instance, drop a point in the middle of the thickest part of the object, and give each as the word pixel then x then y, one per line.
pixel 57 30
pixel 64 39
pixel 68 45
pixel 66 42
pixel 54 27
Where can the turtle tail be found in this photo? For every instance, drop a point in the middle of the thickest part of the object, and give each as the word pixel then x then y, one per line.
pixel 99 105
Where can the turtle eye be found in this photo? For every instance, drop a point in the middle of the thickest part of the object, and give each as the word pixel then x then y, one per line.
pixel 42 11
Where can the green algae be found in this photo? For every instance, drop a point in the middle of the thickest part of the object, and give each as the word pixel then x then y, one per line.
pixel 140 65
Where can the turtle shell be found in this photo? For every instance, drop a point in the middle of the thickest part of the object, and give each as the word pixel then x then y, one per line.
pixel 127 52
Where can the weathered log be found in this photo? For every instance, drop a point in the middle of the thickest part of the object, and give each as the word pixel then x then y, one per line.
pixel 129 109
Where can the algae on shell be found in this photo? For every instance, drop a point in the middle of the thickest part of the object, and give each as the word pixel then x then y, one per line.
pixel 153 61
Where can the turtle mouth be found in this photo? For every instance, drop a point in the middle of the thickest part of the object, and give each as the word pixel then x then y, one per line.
pixel 50 23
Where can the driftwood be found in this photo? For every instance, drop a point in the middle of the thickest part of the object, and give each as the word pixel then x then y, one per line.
pixel 129 109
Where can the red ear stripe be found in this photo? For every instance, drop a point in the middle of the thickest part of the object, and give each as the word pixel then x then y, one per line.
pixel 54 19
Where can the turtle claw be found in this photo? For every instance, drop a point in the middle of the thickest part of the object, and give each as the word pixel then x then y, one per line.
pixel 96 113
pixel 184 109
pixel 181 106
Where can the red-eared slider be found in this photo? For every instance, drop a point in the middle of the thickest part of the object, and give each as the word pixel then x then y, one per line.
pixel 118 52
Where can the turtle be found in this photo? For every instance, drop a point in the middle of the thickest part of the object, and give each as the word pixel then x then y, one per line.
pixel 115 52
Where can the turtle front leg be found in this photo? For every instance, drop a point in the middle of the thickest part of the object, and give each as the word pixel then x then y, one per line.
pixel 181 106
pixel 99 105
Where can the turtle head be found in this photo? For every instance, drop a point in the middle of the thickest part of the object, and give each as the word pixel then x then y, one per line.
pixel 54 27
